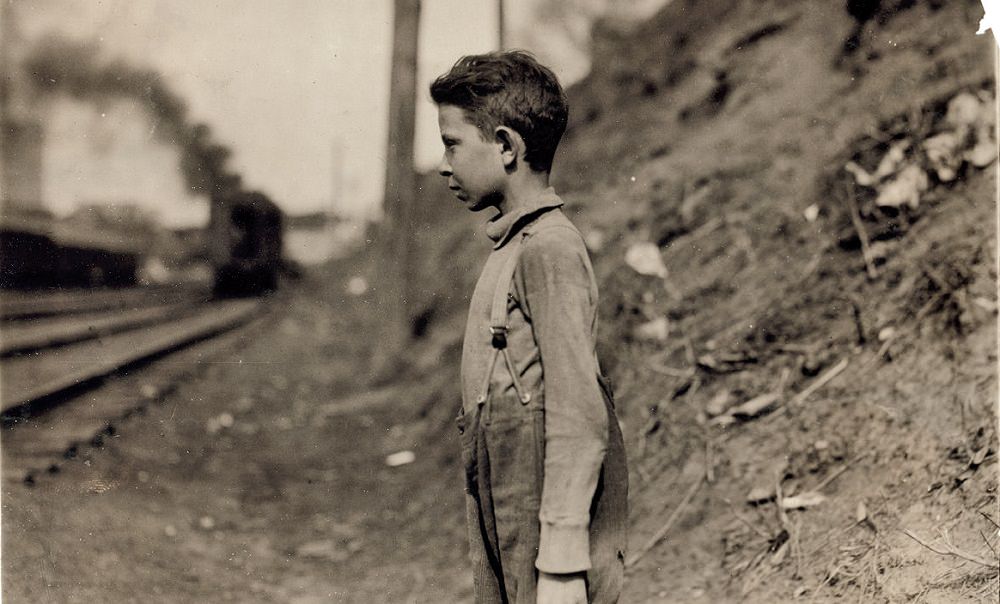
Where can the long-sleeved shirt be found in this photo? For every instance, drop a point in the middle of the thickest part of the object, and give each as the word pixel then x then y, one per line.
pixel 552 312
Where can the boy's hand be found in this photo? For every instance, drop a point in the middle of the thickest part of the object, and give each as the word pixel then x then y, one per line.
pixel 562 589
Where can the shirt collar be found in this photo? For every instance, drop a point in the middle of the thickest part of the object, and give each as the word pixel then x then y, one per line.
pixel 502 227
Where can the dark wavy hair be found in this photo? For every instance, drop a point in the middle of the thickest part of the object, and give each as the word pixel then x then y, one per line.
pixel 509 89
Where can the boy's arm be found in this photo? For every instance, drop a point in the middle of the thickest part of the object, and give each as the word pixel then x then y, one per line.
pixel 557 290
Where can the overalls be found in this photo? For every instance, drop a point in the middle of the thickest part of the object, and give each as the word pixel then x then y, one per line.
pixel 503 450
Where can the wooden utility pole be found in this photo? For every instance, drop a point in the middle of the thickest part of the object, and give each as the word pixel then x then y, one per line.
pixel 395 236
pixel 501 26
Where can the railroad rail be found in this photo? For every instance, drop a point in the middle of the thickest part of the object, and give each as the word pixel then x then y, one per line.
pixel 19 306
pixel 65 382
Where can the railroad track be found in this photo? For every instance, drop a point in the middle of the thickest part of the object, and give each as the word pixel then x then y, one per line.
pixel 66 382
pixel 20 306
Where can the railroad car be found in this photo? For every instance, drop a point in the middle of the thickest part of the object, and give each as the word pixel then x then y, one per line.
pixel 245 244
pixel 38 252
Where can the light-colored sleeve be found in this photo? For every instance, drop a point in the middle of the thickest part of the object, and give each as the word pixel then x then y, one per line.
pixel 557 285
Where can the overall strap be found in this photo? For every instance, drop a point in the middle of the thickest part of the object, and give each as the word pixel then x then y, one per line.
pixel 499 325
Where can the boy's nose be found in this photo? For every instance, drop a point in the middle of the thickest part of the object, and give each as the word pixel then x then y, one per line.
pixel 443 167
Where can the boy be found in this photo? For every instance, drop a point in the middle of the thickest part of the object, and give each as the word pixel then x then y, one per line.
pixel 546 479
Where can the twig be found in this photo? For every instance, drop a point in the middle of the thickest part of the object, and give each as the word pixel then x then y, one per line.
pixel 709 460
pixel 833 475
pixel 987 541
pixel 918 318
pixel 859 226
pixel 671 371
pixel 692 359
pixel 748 524
pixel 859 325
pixel 820 382
pixel 986 516
pixel 951 550
pixel 666 526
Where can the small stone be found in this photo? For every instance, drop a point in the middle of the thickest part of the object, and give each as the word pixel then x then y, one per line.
pixel 656 330
pixel 811 213
pixel 357 286
pixel 226 420
pixel 886 333
pixel 207 523
pixel 149 391
pixel 170 530
pixel 400 459
pixel 719 403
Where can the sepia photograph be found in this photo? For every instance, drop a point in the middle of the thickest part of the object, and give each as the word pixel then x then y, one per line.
pixel 499 301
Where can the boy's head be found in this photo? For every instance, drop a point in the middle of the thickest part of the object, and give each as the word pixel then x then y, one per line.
pixel 508 99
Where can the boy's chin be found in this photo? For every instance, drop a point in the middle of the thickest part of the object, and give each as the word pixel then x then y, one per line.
pixel 479 204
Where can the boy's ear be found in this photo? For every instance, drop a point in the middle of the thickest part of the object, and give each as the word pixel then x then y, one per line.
pixel 511 146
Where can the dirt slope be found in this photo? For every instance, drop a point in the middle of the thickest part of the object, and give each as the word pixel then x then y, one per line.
pixel 710 131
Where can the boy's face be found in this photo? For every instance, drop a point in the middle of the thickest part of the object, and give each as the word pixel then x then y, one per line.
pixel 473 166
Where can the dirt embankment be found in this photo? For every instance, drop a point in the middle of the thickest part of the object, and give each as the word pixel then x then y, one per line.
pixel 722 133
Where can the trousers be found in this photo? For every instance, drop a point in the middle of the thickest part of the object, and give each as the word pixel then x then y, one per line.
pixel 503 452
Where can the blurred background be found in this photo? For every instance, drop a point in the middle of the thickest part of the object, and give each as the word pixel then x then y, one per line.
pixel 111 102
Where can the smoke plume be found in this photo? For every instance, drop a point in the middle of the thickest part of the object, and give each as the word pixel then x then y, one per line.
pixel 76 69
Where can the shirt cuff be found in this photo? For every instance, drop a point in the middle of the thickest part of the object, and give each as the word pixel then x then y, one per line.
pixel 563 549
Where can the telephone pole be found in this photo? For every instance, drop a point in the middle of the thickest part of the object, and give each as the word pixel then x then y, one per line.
pixel 395 234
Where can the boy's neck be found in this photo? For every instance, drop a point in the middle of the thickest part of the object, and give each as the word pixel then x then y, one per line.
pixel 523 190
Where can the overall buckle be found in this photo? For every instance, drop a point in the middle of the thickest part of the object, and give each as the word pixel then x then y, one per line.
pixel 499 337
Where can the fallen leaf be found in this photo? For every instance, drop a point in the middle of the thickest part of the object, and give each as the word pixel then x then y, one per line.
pixel 861 176
pixel 656 330
pixel 803 500
pixel 982 154
pixel 965 110
pixel 892 159
pixel 904 189
pixel 644 258
pixel 943 153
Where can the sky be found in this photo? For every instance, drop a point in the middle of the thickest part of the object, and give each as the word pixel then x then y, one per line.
pixel 298 90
